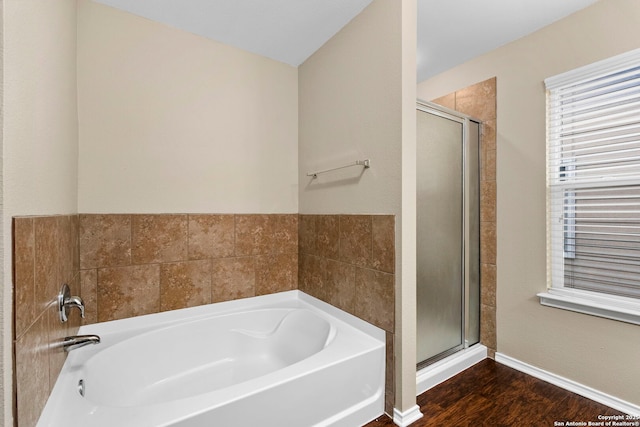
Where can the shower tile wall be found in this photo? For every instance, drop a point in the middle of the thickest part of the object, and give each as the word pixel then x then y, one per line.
pixel 349 262
pixel 140 264
pixel 45 256
pixel 479 101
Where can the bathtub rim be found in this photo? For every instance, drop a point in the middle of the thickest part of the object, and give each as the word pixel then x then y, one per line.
pixel 292 298
pixel 124 328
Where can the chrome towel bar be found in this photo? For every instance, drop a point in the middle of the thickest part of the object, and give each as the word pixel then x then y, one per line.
pixel 366 163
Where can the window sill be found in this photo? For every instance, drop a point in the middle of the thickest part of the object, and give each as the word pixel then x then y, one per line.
pixel 610 307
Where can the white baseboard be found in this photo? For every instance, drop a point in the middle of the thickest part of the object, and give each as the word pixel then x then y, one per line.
pixel 407 417
pixel 446 368
pixel 570 385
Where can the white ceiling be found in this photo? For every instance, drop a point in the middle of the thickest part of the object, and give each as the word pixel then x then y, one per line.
pixel 286 30
pixel 450 32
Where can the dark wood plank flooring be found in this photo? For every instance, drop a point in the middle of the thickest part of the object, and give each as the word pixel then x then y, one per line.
pixel 491 394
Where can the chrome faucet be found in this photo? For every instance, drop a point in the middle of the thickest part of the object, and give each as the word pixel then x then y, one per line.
pixel 65 301
pixel 77 341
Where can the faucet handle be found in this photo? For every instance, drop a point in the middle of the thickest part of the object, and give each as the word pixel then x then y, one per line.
pixel 76 302
pixel 65 300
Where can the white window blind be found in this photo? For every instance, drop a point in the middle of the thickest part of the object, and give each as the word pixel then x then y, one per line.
pixel 593 166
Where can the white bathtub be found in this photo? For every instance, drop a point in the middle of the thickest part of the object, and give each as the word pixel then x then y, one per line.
pixel 285 359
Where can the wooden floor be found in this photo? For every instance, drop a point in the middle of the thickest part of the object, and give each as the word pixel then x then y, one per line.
pixel 491 394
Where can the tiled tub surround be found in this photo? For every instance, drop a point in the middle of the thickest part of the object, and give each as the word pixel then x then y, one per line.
pixel 479 101
pixel 129 265
pixel 45 256
pixel 125 265
pixel 349 262
pixel 140 264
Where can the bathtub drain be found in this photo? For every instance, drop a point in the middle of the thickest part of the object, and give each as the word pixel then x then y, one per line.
pixel 81 387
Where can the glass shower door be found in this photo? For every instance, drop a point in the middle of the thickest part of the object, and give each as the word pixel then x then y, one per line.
pixel 440 228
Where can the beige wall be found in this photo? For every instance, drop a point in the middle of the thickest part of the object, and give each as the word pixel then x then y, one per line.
pixel 342 119
pixel 40 141
pixel 405 345
pixel 173 122
pixel 596 352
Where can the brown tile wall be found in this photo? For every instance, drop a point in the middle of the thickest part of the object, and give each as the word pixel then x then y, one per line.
pixel 132 265
pixel 479 101
pixel 45 256
pixel 349 262
pixel 128 265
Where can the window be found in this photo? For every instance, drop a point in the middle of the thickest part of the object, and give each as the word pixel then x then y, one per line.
pixel 593 189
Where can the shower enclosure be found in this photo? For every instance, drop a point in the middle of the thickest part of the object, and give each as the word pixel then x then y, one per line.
pixel 448 233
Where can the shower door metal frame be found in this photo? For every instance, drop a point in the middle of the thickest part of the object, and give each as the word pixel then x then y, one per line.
pixel 437 110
